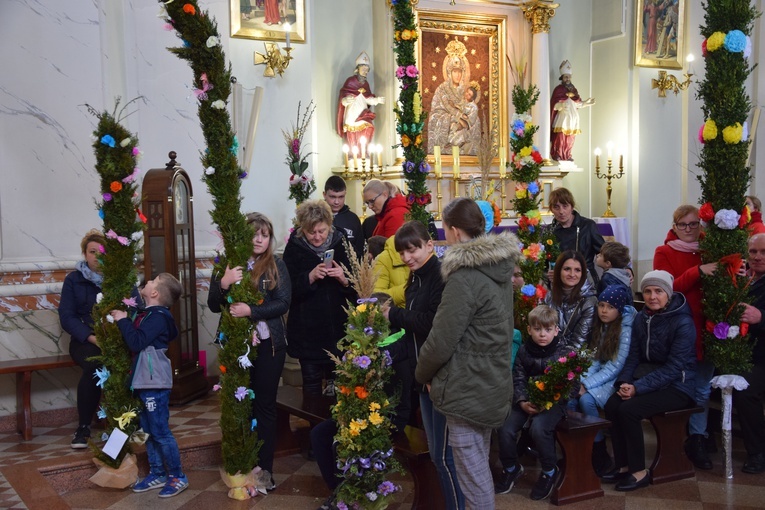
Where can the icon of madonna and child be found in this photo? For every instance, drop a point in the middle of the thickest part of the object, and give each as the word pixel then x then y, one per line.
pixel 453 119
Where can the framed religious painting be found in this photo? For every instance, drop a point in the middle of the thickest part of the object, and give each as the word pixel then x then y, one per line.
pixel 266 20
pixel 660 33
pixel 463 81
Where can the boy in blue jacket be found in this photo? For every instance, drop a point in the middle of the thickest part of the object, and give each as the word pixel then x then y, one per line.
pixel 155 327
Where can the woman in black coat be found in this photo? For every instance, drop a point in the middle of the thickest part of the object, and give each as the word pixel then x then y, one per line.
pixel 78 296
pixel 271 277
pixel 319 292
pixel 657 376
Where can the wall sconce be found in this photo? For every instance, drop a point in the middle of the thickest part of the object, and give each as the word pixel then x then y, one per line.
pixel 274 60
pixel 670 82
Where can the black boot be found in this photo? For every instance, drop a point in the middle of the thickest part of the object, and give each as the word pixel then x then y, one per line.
pixel 601 460
pixel 696 449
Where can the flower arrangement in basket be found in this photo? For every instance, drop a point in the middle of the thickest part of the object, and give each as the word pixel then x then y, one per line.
pixel 558 380
pixel 539 243
pixel 364 446
pixel 302 183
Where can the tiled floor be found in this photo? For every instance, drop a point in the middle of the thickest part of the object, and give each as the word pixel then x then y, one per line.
pixel 299 485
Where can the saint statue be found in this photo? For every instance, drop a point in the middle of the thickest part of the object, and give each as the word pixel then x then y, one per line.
pixel 453 118
pixel 564 111
pixel 354 117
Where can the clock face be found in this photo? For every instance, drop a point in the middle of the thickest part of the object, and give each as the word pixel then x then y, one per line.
pixel 181 201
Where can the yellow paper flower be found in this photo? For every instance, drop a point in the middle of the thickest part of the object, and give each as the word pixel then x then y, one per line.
pixel 732 134
pixel 405 140
pixel 374 406
pixel 407 35
pixel 548 405
pixel 521 193
pixel 386 404
pixel 361 308
pixel 710 130
pixel 418 140
pixel 397 35
pixel 715 41
pixel 124 420
pixel 526 151
pixel 417 106
pixel 375 418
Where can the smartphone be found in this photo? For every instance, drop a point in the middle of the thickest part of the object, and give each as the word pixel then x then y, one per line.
pixel 329 255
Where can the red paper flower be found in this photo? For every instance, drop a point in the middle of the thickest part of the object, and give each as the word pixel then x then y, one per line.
pixel 704 48
pixel 710 326
pixel 189 9
pixel 743 329
pixel 115 186
pixel 142 216
pixel 745 218
pixel 537 157
pixel 706 213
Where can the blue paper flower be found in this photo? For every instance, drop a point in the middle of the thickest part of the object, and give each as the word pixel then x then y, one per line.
pixel 528 290
pixel 488 213
pixel 102 374
pixel 235 146
pixel 253 424
pixel 108 140
pixel 251 394
pixel 369 330
pixel 240 393
pixel 533 188
pixel 101 213
pixel 735 41
pixel 101 414
pixel 362 361
pixel 408 167
pixel 424 167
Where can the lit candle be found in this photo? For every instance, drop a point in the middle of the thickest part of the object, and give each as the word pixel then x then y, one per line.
pixel 502 162
pixel 597 157
pixel 363 142
pixel 610 147
pixel 456 161
pixel 437 160
pixel 287 30
pixel 379 156
pixel 346 149
pixel 355 151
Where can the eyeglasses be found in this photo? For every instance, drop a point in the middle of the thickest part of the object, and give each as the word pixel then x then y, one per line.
pixel 693 225
pixel 370 203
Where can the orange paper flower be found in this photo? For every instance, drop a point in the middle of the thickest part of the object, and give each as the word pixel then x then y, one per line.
pixel 222 369
pixel 405 140
pixel 189 9
pixel 115 186
pixel 361 392
pixel 345 390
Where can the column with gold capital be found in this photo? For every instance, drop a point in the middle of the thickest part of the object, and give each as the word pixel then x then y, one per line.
pixel 538 14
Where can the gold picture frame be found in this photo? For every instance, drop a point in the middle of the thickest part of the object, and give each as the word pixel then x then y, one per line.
pixel 478 41
pixel 248 19
pixel 660 33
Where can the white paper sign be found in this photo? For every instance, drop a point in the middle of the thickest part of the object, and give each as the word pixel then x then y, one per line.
pixel 115 443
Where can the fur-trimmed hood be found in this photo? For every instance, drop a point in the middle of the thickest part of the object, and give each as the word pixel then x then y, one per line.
pixel 493 255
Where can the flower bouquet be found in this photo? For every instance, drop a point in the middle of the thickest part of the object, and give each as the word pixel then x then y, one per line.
pixel 558 380
pixel 301 181
pixel 362 412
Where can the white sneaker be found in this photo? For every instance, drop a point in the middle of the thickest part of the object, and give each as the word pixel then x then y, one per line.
pixel 264 482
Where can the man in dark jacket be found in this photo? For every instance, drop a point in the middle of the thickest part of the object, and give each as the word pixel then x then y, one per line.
pixel 749 402
pixel 345 220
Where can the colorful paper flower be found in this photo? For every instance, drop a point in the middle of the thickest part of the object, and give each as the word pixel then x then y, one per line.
pixel 400 72
pixel 125 419
pixel 129 302
pixel 108 140
pixel 362 361
pixel 715 40
pixel 101 374
pixel 706 212
pixel 189 9
pixel 733 332
pixel 125 142
pixel 361 392
pixel 732 134
pixel 721 330
pixel 710 130
pixel 212 41
pixel 412 71
pixel 727 219
pixel 735 41
pixel 218 104
pixel 240 393
pixel 115 186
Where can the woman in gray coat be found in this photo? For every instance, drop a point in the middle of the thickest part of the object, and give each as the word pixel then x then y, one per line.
pixel 466 358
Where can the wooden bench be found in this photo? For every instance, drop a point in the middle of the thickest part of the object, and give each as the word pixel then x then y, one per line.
pixel 577 480
pixel 411 446
pixel 23 369
pixel 671 463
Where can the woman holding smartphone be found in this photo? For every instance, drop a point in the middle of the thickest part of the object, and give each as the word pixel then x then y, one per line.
pixel 314 257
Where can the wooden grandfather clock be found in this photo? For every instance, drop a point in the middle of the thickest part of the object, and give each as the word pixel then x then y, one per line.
pixel 169 247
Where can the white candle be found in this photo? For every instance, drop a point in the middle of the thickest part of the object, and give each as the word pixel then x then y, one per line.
pixel 610 147
pixel 249 143
pixel 236 107
pixel 379 155
pixel 363 142
pixel 502 162
pixel 456 161
pixel 346 149
pixel 287 29
pixel 355 151
pixel 437 162
pixel 597 157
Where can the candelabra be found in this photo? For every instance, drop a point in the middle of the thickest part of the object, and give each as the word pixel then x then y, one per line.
pixel 439 196
pixel 670 82
pixel 608 176
pixel 273 59
pixel 503 195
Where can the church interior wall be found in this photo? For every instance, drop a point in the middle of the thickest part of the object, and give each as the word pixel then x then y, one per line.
pixel 77 53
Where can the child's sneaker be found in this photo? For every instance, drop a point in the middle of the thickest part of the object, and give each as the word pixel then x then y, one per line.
pixel 151 481
pixel 81 437
pixel 264 481
pixel 544 486
pixel 507 480
pixel 175 485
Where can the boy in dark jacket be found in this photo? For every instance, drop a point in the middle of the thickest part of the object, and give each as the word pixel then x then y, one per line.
pixel 155 327
pixel 614 259
pixel 533 356
pixel 345 220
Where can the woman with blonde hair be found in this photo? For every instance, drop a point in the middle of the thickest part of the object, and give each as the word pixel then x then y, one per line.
pixel 320 290
pixel 388 204
pixel 270 276
pixel 78 296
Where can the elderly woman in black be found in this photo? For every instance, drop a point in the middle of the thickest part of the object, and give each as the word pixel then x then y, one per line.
pixel 319 292
pixel 657 376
